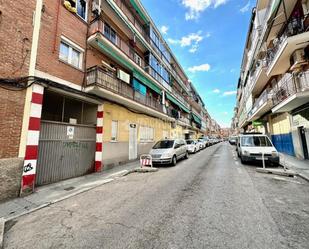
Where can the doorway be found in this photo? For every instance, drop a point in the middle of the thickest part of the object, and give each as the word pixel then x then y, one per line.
pixel 302 133
pixel 132 142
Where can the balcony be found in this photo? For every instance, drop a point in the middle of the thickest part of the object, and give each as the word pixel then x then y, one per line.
pixel 261 106
pixel 291 92
pixel 122 52
pixel 259 78
pixel 295 36
pixel 134 21
pixel 106 85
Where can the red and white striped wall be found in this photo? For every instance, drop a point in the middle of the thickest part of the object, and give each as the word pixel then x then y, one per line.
pixel 99 139
pixel 31 155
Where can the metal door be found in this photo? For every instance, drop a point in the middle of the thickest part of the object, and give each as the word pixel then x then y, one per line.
pixel 302 133
pixel 65 151
pixel 132 142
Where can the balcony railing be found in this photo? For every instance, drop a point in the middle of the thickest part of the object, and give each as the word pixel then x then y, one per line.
pixel 290 85
pixel 264 97
pixel 132 19
pixel 98 76
pixel 293 27
pixel 146 36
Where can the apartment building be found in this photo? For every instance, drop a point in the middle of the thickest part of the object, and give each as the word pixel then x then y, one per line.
pixel 273 88
pixel 86 86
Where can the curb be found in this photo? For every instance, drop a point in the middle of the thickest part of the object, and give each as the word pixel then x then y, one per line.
pixel 2 224
pixel 297 173
pixel 108 180
pixel 303 176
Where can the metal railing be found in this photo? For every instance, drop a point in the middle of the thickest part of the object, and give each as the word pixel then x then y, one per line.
pixel 290 85
pixel 293 27
pixel 126 48
pixel 261 100
pixel 108 81
pixel 132 19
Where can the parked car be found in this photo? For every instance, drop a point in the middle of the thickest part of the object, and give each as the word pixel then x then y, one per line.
pixel 199 144
pixel 168 151
pixel 232 140
pixel 192 146
pixel 253 147
pixel 203 142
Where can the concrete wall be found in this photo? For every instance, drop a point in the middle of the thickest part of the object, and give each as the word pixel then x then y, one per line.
pixel 117 152
pixel 10 177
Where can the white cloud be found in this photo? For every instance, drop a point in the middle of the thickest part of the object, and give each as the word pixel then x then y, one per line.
pixel 228 93
pixel 200 68
pixel 245 8
pixel 191 40
pixel 164 29
pixel 195 7
pixel 216 90
pixel 225 113
pixel 193 49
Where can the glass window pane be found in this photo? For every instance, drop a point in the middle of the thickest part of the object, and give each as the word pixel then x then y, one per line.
pixel 75 58
pixel 113 36
pixel 107 30
pixel 64 51
pixel 81 8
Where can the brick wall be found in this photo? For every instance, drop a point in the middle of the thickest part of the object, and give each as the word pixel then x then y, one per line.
pixel 70 26
pixel 16 37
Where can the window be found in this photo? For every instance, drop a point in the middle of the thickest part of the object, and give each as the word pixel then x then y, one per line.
pixel 114 130
pixel 146 134
pixel 138 59
pixel 71 54
pixel 255 141
pixel 82 8
pixel 110 33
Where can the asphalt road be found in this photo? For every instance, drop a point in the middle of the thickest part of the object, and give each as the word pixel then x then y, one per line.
pixel 207 201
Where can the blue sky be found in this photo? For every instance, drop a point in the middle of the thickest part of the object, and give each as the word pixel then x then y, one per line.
pixel 207 37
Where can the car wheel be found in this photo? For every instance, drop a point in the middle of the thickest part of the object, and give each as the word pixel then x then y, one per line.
pixel 174 160
pixel 187 155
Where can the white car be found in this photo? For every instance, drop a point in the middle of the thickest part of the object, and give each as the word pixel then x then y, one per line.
pixel 192 146
pixel 255 147
pixel 203 142
pixel 169 151
pixel 199 145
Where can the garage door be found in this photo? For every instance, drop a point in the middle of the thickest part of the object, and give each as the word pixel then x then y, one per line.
pixel 65 151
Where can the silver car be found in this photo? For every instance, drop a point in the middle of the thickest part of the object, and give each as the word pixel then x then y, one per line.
pixel 169 151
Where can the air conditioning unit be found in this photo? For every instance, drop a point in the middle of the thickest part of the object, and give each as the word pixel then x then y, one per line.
pixel 298 59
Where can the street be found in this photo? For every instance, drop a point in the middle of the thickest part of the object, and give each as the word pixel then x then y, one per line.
pixel 210 200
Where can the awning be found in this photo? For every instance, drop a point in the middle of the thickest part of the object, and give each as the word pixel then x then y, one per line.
pixel 146 81
pixel 196 119
pixel 176 102
pixel 139 11
pixel 139 87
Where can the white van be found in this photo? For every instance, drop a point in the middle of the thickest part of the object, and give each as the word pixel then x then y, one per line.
pixel 252 146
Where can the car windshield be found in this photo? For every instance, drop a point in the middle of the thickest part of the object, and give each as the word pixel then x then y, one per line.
pixel 164 144
pixel 255 141
pixel 189 141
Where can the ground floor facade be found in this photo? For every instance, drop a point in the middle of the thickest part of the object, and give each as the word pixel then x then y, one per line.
pixel 64 133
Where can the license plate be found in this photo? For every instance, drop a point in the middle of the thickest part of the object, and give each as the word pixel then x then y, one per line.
pixel 261 158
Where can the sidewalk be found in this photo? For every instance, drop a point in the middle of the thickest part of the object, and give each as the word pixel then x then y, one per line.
pixel 295 164
pixel 55 192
